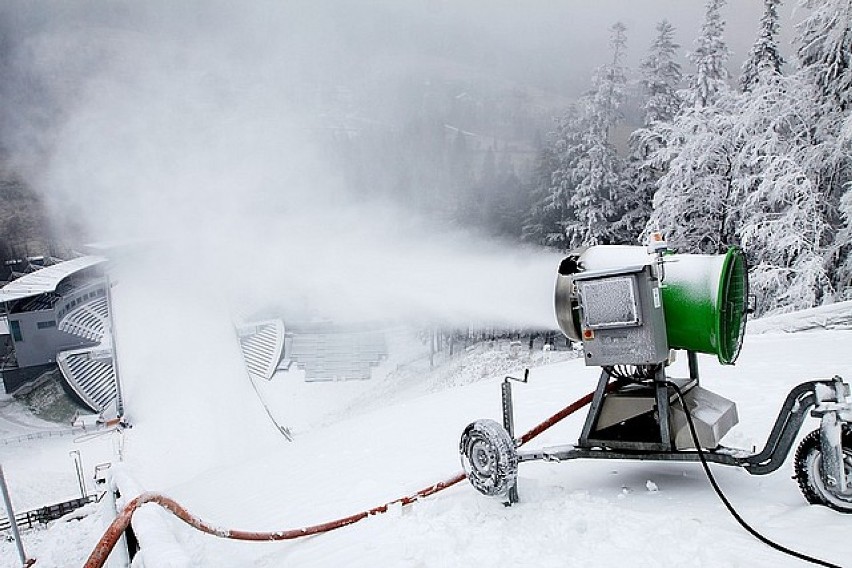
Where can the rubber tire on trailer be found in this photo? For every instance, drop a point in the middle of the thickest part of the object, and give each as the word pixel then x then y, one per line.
pixel 808 471
pixel 488 457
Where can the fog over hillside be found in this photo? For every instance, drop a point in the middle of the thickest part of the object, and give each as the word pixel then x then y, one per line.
pixel 305 127
pixel 372 49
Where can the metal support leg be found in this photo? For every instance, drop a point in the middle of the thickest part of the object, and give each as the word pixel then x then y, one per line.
pixel 594 409
pixel 509 425
pixel 692 359
pixel 78 468
pixel 16 534
pixel 663 412
pixel 508 410
pixel 833 471
pixel 513 494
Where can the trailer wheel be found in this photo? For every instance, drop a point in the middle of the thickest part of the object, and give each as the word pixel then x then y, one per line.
pixel 808 472
pixel 488 457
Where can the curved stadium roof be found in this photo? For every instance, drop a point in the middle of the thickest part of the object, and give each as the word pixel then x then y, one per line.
pixel 46 279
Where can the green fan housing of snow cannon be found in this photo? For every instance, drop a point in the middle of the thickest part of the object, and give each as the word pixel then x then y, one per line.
pixel 705 298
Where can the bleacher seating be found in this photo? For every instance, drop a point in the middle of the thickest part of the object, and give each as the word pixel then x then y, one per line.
pixel 91 377
pixel 88 320
pixel 328 353
pixel 262 344
pixel 325 351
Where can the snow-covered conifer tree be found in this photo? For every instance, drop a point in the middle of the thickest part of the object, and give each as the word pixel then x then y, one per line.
pixel 763 57
pixel 554 209
pixel 608 83
pixel 825 57
pixel 542 224
pixel 844 272
pixel 781 213
pixel 596 172
pixel 825 47
pixel 709 57
pixel 661 77
pixel 691 204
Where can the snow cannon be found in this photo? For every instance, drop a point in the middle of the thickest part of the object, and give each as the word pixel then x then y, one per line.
pixel 608 297
pixel 631 308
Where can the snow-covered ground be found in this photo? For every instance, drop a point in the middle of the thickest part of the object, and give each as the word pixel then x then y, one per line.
pixel 39 470
pixel 359 454
pixel 831 316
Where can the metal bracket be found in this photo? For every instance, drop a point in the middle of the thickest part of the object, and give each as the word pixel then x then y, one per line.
pixel 834 409
pixel 790 420
pixel 834 397
pixel 509 423
pixel 508 408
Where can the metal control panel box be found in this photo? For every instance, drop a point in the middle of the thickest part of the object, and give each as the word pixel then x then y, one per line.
pixel 621 317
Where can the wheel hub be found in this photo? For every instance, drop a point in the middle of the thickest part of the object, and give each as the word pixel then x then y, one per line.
pixel 832 493
pixel 482 457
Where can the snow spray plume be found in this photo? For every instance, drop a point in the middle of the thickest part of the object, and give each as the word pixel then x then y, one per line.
pixel 203 138
pixel 202 134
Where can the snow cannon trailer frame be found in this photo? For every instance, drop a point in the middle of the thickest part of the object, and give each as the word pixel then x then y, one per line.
pixel 823 460
pixel 637 411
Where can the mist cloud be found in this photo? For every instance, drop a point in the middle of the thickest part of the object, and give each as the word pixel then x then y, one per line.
pixel 202 126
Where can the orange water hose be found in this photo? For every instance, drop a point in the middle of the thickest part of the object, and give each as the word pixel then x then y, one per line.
pixel 107 542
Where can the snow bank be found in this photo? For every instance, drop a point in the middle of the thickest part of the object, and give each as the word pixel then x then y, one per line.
pixel 832 316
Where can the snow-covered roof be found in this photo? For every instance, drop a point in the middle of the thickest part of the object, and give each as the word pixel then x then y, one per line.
pixel 46 279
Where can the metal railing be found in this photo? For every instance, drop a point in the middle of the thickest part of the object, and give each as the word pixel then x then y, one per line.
pixel 43 515
pixel 41 434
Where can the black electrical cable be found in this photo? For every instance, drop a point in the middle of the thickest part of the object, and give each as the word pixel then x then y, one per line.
pixel 632 373
pixel 718 490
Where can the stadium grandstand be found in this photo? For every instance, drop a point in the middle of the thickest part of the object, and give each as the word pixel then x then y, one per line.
pixel 58 316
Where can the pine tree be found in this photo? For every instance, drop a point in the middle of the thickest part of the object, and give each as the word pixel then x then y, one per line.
pixel 691 205
pixel 782 220
pixel 608 82
pixel 843 278
pixel 692 201
pixel 825 57
pixel 568 148
pixel 661 77
pixel 709 57
pixel 596 172
pixel 508 198
pixel 825 47
pixel 542 224
pixel 763 57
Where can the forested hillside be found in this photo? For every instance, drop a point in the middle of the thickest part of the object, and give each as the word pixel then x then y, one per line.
pixel 760 160
pixel 24 230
